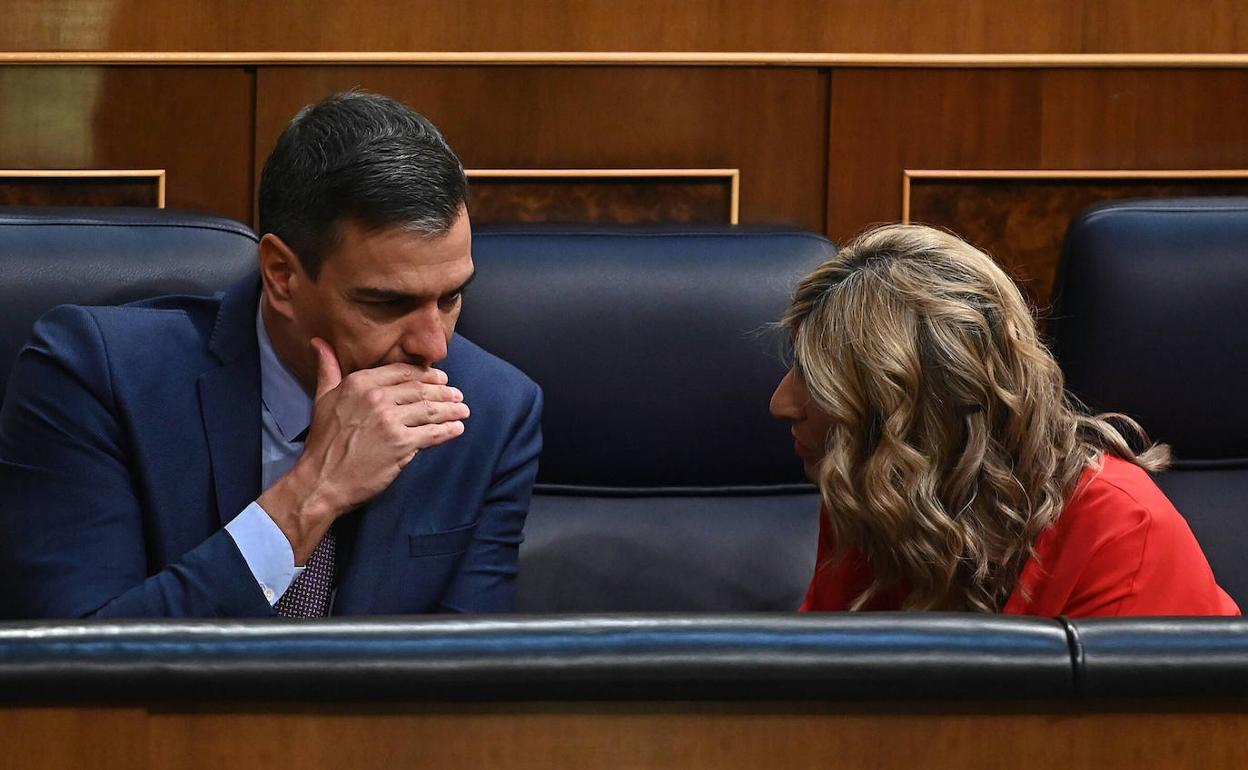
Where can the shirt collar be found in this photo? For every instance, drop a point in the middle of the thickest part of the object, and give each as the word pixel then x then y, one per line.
pixel 281 394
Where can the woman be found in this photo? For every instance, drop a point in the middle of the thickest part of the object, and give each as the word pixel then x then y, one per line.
pixel 954 473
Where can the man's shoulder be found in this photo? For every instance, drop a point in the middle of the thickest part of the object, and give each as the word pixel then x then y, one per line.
pixel 470 359
pixel 148 330
pixel 468 364
pixel 157 311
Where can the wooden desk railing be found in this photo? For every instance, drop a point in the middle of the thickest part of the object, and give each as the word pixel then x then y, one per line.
pixel 896 690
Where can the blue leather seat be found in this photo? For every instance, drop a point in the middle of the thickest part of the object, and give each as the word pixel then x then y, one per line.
pixel 107 256
pixel 664 482
pixel 1151 319
pixel 664 485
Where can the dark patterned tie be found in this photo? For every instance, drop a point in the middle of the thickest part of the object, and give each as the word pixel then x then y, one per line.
pixel 309 594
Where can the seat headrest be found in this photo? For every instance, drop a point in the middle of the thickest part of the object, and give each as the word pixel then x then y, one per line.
pixel 106 256
pixel 1151 318
pixel 656 349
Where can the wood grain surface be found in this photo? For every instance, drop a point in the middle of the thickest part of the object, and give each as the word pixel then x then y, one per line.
pixel 769 123
pixel 1022 222
pixel 638 735
pixel 602 201
pixel 882 122
pixel 914 26
pixel 194 122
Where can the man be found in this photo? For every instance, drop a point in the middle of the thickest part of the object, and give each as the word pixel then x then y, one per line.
pixel 298 446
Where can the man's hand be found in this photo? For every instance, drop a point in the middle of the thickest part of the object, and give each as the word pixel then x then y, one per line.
pixel 365 428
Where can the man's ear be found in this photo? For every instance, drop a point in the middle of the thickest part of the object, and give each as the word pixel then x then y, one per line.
pixel 282 274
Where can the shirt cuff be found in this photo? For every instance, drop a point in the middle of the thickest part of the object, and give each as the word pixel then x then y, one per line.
pixel 266 550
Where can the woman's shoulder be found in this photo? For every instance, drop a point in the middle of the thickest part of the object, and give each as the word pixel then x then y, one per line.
pixel 1115 515
pixel 1116 494
pixel 1135 554
pixel 1118 499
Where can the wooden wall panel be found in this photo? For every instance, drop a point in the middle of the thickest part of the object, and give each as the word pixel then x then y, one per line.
pixel 193 122
pixel 653 200
pixel 1022 221
pixel 883 122
pixel 1148 26
pixel 79 191
pixel 890 26
pixel 1145 119
pixel 769 123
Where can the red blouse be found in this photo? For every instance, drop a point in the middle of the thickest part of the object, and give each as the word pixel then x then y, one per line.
pixel 1119 548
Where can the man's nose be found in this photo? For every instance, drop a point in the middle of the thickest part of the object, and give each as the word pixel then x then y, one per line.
pixel 783 404
pixel 425 336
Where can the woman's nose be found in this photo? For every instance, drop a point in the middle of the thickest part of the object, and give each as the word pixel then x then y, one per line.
pixel 784 404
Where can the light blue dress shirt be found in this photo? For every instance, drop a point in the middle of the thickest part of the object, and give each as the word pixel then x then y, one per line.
pixel 285 412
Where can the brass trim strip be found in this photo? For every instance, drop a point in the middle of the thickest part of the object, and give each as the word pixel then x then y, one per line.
pixel 157 174
pixel 1058 174
pixel 628 58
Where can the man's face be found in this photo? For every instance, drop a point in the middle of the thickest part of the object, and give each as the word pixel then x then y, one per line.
pixel 387 296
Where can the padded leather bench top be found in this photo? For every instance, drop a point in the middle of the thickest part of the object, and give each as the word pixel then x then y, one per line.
pixel 1161 657
pixel 649 657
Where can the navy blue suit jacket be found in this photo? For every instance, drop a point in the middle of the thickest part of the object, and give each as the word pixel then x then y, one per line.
pixel 130 436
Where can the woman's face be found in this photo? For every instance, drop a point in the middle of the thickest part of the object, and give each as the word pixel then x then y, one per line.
pixel 791 402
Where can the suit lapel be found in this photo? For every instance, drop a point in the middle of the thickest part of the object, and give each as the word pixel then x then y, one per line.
pixel 229 399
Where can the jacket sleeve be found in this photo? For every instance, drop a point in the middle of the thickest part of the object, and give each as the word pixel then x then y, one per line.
pixel 487 580
pixel 73 529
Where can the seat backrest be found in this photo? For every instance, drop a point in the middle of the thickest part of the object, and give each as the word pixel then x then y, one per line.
pixel 664 484
pixel 107 256
pixel 1151 319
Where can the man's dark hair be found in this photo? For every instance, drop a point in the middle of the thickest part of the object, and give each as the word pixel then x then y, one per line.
pixel 362 157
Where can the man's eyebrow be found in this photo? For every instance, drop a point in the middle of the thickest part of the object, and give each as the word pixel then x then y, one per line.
pixel 380 295
pixel 459 289
pixel 371 294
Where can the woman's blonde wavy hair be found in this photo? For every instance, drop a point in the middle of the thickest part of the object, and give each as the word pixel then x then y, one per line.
pixel 953 444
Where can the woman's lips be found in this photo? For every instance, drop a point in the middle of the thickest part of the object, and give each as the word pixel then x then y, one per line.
pixel 801 449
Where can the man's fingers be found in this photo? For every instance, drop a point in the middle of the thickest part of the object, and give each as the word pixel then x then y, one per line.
pixel 427 436
pixel 397 374
pixel 423 413
pixel 415 392
pixel 328 372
